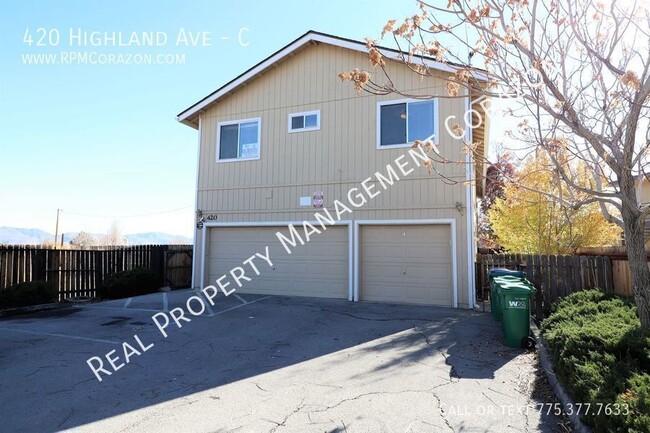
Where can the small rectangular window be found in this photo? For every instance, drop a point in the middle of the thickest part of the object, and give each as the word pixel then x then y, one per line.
pixel 229 140
pixel 311 121
pixel 297 122
pixel 420 120
pixel 400 123
pixel 307 121
pixel 393 124
pixel 238 139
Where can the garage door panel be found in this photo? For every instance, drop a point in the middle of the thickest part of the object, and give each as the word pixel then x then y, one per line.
pixel 406 264
pixel 318 268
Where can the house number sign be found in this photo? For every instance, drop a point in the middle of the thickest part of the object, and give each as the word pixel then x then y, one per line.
pixel 201 222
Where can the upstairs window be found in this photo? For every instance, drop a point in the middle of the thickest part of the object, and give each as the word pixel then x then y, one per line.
pixel 400 123
pixel 238 140
pixel 307 121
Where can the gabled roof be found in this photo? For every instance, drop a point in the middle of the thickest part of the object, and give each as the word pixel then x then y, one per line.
pixel 189 116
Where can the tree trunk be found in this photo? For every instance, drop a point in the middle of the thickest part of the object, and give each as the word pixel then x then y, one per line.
pixel 638 262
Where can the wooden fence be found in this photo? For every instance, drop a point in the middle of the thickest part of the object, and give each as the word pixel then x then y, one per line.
pixel 553 276
pixel 80 272
pixel 622 278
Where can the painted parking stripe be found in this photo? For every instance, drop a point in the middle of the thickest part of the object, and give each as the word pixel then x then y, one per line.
pixel 241 305
pixel 207 303
pixel 74 337
pixel 242 300
pixel 99 340
pixel 128 302
pixel 101 307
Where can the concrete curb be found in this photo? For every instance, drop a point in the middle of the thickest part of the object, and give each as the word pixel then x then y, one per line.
pixel 34 309
pixel 562 395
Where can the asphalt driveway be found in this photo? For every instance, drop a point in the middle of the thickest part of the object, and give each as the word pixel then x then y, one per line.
pixel 266 364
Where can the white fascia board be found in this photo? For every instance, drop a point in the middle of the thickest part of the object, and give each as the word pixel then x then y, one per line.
pixel 392 55
pixel 253 72
pixel 356 46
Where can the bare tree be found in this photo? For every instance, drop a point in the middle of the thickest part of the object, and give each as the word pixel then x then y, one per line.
pixel 114 235
pixel 578 74
pixel 83 240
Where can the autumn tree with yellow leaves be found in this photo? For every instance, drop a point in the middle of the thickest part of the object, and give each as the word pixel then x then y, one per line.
pixel 527 221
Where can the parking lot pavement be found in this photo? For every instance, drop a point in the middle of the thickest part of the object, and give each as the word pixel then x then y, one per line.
pixel 265 364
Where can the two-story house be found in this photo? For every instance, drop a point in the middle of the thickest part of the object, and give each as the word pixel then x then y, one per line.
pixel 287 136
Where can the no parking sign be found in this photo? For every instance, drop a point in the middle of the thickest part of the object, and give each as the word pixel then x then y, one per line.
pixel 318 199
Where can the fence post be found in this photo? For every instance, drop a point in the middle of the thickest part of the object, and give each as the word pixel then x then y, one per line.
pixel 53 272
pixel 609 279
pixel 99 269
pixel 14 266
pixel 584 273
pixel 40 265
pixel 533 274
pixel 576 280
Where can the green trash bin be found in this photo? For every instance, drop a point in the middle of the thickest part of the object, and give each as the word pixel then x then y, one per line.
pixel 495 308
pixel 515 305
pixel 505 283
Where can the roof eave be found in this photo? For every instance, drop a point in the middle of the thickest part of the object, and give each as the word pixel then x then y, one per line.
pixel 307 38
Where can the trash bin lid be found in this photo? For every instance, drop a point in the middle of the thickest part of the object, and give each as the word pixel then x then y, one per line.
pixel 516 289
pixel 501 271
pixel 508 278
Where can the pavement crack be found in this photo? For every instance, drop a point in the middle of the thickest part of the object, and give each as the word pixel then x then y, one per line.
pixel 491 401
pixel 325 386
pixel 366 394
pixel 286 418
pixel 186 387
pixel 453 374
pixel 442 412
pixel 37 370
pixel 423 335
pixel 374 319
pixel 260 388
pixel 72 387
pixel 67 417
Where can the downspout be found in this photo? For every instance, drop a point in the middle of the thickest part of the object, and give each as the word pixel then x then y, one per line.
pixel 196 204
pixel 471 258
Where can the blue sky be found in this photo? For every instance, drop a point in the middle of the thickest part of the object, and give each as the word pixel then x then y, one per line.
pixel 102 140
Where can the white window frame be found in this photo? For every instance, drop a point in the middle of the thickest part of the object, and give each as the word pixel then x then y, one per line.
pixel 304 114
pixel 405 101
pixel 237 122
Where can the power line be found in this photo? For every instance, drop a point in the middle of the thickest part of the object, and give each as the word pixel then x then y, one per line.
pixel 126 216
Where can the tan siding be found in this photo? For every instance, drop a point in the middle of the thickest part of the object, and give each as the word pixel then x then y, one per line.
pixel 334 159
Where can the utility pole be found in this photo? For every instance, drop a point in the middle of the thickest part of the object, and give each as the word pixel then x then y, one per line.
pixel 56 234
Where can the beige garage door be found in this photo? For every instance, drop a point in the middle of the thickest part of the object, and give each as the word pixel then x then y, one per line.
pixel 406 264
pixel 319 268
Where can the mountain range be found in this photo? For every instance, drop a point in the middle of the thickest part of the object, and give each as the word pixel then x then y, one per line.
pixel 23 236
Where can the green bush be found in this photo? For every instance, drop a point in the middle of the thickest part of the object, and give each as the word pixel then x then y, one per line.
pixel 25 294
pixel 602 356
pixel 636 399
pixel 130 283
